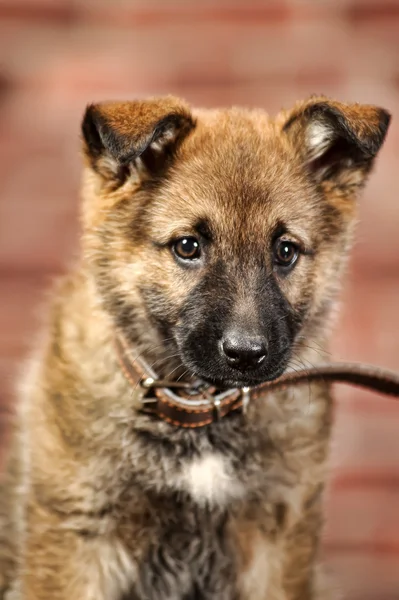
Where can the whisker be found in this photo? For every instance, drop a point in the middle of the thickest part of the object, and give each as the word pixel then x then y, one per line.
pixel 148 349
pixel 323 350
pixel 173 370
pixel 153 364
pixel 319 352
pixel 182 375
pixel 302 365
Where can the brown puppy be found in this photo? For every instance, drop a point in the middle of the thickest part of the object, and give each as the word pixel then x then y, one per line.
pixel 213 243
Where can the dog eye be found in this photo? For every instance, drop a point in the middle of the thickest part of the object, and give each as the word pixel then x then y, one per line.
pixel 187 248
pixel 285 253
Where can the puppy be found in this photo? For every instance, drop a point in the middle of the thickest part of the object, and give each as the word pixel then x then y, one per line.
pixel 213 245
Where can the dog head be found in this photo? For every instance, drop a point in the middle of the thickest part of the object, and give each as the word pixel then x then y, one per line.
pixel 216 238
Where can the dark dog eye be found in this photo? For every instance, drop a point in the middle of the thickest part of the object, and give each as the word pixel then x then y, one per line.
pixel 187 248
pixel 285 253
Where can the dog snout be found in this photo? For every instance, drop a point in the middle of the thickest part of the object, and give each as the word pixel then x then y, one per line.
pixel 243 351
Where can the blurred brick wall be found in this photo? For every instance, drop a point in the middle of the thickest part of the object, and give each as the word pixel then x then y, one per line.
pixel 56 56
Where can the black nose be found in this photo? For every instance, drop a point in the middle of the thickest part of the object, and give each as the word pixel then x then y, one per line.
pixel 244 352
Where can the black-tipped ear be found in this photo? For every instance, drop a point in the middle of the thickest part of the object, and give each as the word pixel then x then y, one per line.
pixel 115 134
pixel 337 141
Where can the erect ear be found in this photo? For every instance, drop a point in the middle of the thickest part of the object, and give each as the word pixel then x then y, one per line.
pixel 119 136
pixel 337 141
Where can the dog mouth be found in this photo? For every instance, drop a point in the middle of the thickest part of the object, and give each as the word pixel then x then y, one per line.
pixel 214 371
pixel 225 384
pixel 239 380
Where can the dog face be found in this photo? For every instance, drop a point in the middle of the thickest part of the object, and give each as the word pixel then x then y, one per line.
pixel 216 238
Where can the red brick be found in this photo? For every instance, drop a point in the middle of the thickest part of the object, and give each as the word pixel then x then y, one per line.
pixel 139 15
pixel 361 12
pixel 371 577
pixel 37 10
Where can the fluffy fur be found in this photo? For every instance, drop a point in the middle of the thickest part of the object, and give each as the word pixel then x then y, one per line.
pixel 102 502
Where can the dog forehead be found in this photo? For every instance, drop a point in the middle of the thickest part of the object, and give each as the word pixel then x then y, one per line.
pixel 239 171
pixel 233 140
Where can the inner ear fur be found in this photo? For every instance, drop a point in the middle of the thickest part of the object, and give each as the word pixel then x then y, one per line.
pixel 335 138
pixel 117 134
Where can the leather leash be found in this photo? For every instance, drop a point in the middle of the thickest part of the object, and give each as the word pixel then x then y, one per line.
pixel 196 404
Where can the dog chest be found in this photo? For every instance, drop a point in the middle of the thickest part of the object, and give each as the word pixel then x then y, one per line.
pixel 202 556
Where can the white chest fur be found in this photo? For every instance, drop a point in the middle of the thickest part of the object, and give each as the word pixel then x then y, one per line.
pixel 210 480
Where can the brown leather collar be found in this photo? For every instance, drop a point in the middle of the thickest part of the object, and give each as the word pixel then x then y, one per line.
pixel 197 404
pixel 183 404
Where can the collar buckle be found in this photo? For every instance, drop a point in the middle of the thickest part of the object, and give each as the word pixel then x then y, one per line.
pixel 246 396
pixel 214 400
pixel 216 407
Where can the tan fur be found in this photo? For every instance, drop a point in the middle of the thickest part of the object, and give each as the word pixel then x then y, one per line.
pixel 76 520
